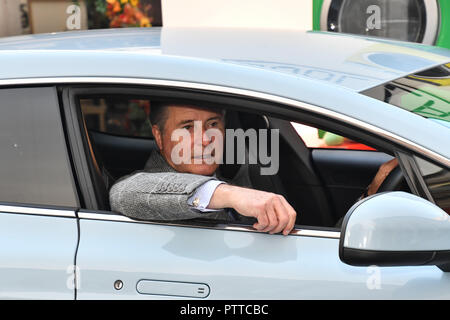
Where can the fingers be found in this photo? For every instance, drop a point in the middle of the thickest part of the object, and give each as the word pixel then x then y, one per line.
pixel 282 215
pixel 272 217
pixel 292 218
pixel 262 223
pixel 277 216
pixel 267 219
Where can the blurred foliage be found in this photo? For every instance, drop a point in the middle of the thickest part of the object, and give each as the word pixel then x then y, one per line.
pixel 118 13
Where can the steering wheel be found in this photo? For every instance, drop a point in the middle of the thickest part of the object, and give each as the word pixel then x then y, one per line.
pixel 394 181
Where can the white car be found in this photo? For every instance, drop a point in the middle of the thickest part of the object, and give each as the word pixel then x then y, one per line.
pixel 74 118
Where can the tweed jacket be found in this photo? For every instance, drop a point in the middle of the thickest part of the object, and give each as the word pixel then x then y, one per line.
pixel 158 192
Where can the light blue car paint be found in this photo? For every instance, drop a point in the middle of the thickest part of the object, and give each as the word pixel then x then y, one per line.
pixel 37 255
pixel 397 221
pixel 237 265
pixel 444 123
pixel 351 56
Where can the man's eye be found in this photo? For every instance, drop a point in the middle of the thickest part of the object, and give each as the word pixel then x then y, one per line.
pixel 214 124
pixel 187 127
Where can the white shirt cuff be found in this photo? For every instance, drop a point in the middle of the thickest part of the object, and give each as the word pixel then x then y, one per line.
pixel 202 196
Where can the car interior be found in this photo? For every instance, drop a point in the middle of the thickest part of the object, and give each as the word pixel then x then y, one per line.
pixel 321 184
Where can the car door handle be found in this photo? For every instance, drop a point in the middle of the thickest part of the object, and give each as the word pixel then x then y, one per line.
pixel 173 288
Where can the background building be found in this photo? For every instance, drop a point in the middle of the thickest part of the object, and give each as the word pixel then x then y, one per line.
pixel 422 21
pixel 42 16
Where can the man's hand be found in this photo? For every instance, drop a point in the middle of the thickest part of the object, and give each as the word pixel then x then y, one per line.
pixel 381 175
pixel 273 212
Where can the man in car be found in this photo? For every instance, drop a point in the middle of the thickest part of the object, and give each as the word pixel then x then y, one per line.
pixel 170 189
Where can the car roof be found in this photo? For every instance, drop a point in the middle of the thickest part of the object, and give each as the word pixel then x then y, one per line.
pixel 325 70
pixel 349 61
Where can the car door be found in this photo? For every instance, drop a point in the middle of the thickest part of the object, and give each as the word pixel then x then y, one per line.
pixel 121 258
pixel 38 225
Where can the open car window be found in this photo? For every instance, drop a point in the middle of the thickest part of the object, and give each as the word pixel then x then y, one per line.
pixel 321 139
pixel 119 140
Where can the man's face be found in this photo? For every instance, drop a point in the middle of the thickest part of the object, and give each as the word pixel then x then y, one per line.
pixel 196 146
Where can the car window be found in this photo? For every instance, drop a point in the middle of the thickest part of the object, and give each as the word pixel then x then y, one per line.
pixel 321 139
pixel 117 115
pixel 119 133
pixel 34 165
pixel 438 182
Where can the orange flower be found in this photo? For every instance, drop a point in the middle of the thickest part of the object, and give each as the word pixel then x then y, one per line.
pixel 115 23
pixel 139 15
pixel 145 22
pixel 128 9
pixel 117 7
pixel 124 19
pixel 127 13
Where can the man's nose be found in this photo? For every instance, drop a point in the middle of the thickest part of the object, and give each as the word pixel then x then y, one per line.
pixel 201 136
pixel 206 139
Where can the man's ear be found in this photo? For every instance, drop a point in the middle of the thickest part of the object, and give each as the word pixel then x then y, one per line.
pixel 158 136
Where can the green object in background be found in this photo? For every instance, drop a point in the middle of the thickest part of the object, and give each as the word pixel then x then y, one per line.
pixel 329 138
pixel 321 133
pixel 444 32
pixel 317 8
pixel 332 139
pixel 430 102
pixel 443 39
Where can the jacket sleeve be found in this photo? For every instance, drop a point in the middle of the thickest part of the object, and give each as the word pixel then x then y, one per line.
pixel 157 196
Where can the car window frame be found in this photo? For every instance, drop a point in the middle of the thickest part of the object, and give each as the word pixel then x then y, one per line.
pixel 245 103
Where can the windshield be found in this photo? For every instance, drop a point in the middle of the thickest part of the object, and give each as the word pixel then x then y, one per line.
pixel 426 93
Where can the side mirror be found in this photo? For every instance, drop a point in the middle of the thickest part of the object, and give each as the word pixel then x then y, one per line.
pixel 395 229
